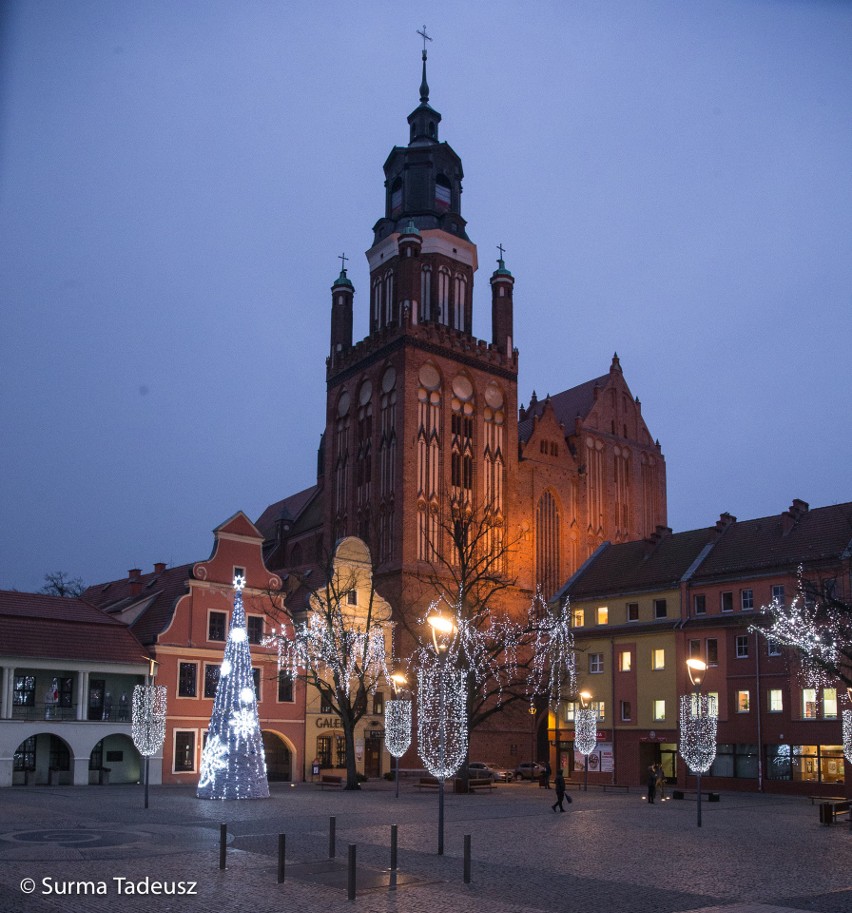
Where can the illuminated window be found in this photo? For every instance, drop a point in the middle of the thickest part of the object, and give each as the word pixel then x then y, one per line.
pixel 829 703
pixel 658 658
pixel 578 618
pixel 600 709
pixel 776 700
pixel 659 710
pixel 603 615
pixel 809 704
pixel 743 701
pixel 624 660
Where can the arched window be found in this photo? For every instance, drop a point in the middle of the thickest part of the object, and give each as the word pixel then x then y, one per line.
pixel 443 296
pixel 396 194
pixel 547 545
pixel 426 294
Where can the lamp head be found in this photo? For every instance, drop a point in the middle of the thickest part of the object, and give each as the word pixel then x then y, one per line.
pixel 441 626
pixel 399 681
pixel 696 669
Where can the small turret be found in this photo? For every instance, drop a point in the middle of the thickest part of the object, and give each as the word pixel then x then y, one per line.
pixel 342 295
pixel 502 284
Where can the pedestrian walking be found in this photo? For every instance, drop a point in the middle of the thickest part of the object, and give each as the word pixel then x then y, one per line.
pixel 661 781
pixel 652 783
pixel 547 772
pixel 559 784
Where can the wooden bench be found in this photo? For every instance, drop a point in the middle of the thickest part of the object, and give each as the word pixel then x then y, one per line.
pixel 693 794
pixel 826 799
pixel 475 783
pixel 829 812
pixel 427 783
pixel 331 780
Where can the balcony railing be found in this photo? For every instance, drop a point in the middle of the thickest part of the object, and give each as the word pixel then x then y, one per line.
pixel 58 713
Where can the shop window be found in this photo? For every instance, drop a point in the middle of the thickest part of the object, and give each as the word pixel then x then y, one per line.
pixel 742 646
pixel 184 751
pixel 187 679
pixel 25 755
pixel 216 624
pixel 633 611
pixel 324 750
pixel 96 758
pixel 776 700
pixel 624 661
pixel 658 658
pixel 340 746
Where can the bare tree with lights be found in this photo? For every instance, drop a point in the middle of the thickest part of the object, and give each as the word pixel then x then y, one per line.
pixel 492 649
pixel 339 643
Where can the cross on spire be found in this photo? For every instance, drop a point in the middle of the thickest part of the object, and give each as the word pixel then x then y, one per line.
pixel 342 258
pixel 425 38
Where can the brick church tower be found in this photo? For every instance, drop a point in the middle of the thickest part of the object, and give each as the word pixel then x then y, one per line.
pixel 422 418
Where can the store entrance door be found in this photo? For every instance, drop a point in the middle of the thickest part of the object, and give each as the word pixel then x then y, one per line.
pixel 373 754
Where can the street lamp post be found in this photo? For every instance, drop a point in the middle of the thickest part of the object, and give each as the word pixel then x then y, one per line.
pixel 398 722
pixel 443 630
pixel 585 732
pixel 148 718
pixel 697 727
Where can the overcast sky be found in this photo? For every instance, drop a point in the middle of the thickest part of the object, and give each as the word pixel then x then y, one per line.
pixel 671 181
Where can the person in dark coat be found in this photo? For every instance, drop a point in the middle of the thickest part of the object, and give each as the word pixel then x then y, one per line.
pixel 559 784
pixel 652 783
pixel 547 772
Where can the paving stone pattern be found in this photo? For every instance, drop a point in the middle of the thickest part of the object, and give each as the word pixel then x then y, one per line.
pixel 609 853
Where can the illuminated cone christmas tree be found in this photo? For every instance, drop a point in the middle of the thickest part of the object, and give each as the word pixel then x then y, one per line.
pixel 233 765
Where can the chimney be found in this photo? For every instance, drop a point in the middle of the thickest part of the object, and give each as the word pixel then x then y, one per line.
pixel 725 520
pixel 159 567
pixel 791 517
pixel 134 575
pixel 656 537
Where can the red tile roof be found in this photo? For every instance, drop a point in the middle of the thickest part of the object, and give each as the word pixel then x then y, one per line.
pixel 782 542
pixel 58 627
pixel 147 602
pixel 288 508
pixel 566 406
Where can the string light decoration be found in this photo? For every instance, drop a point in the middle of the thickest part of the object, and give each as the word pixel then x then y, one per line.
pixel 585 731
pixel 148 718
pixel 233 763
pixel 553 670
pixel 441 718
pixel 847 735
pixel 397 726
pixel 698 725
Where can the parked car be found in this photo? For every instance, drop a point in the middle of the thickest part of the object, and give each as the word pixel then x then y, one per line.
pixel 483 769
pixel 529 770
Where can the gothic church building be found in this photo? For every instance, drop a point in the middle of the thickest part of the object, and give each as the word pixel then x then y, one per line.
pixel 422 418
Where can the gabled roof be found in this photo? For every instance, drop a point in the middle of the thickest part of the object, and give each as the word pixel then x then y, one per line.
pixel 145 602
pixel 781 542
pixel 566 406
pixel 59 627
pixel 640 565
pixel 289 508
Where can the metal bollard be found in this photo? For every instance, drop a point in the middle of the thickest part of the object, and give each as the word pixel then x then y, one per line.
pixel 392 884
pixel 282 846
pixel 223 845
pixel 332 825
pixel 467 858
pixel 350 879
